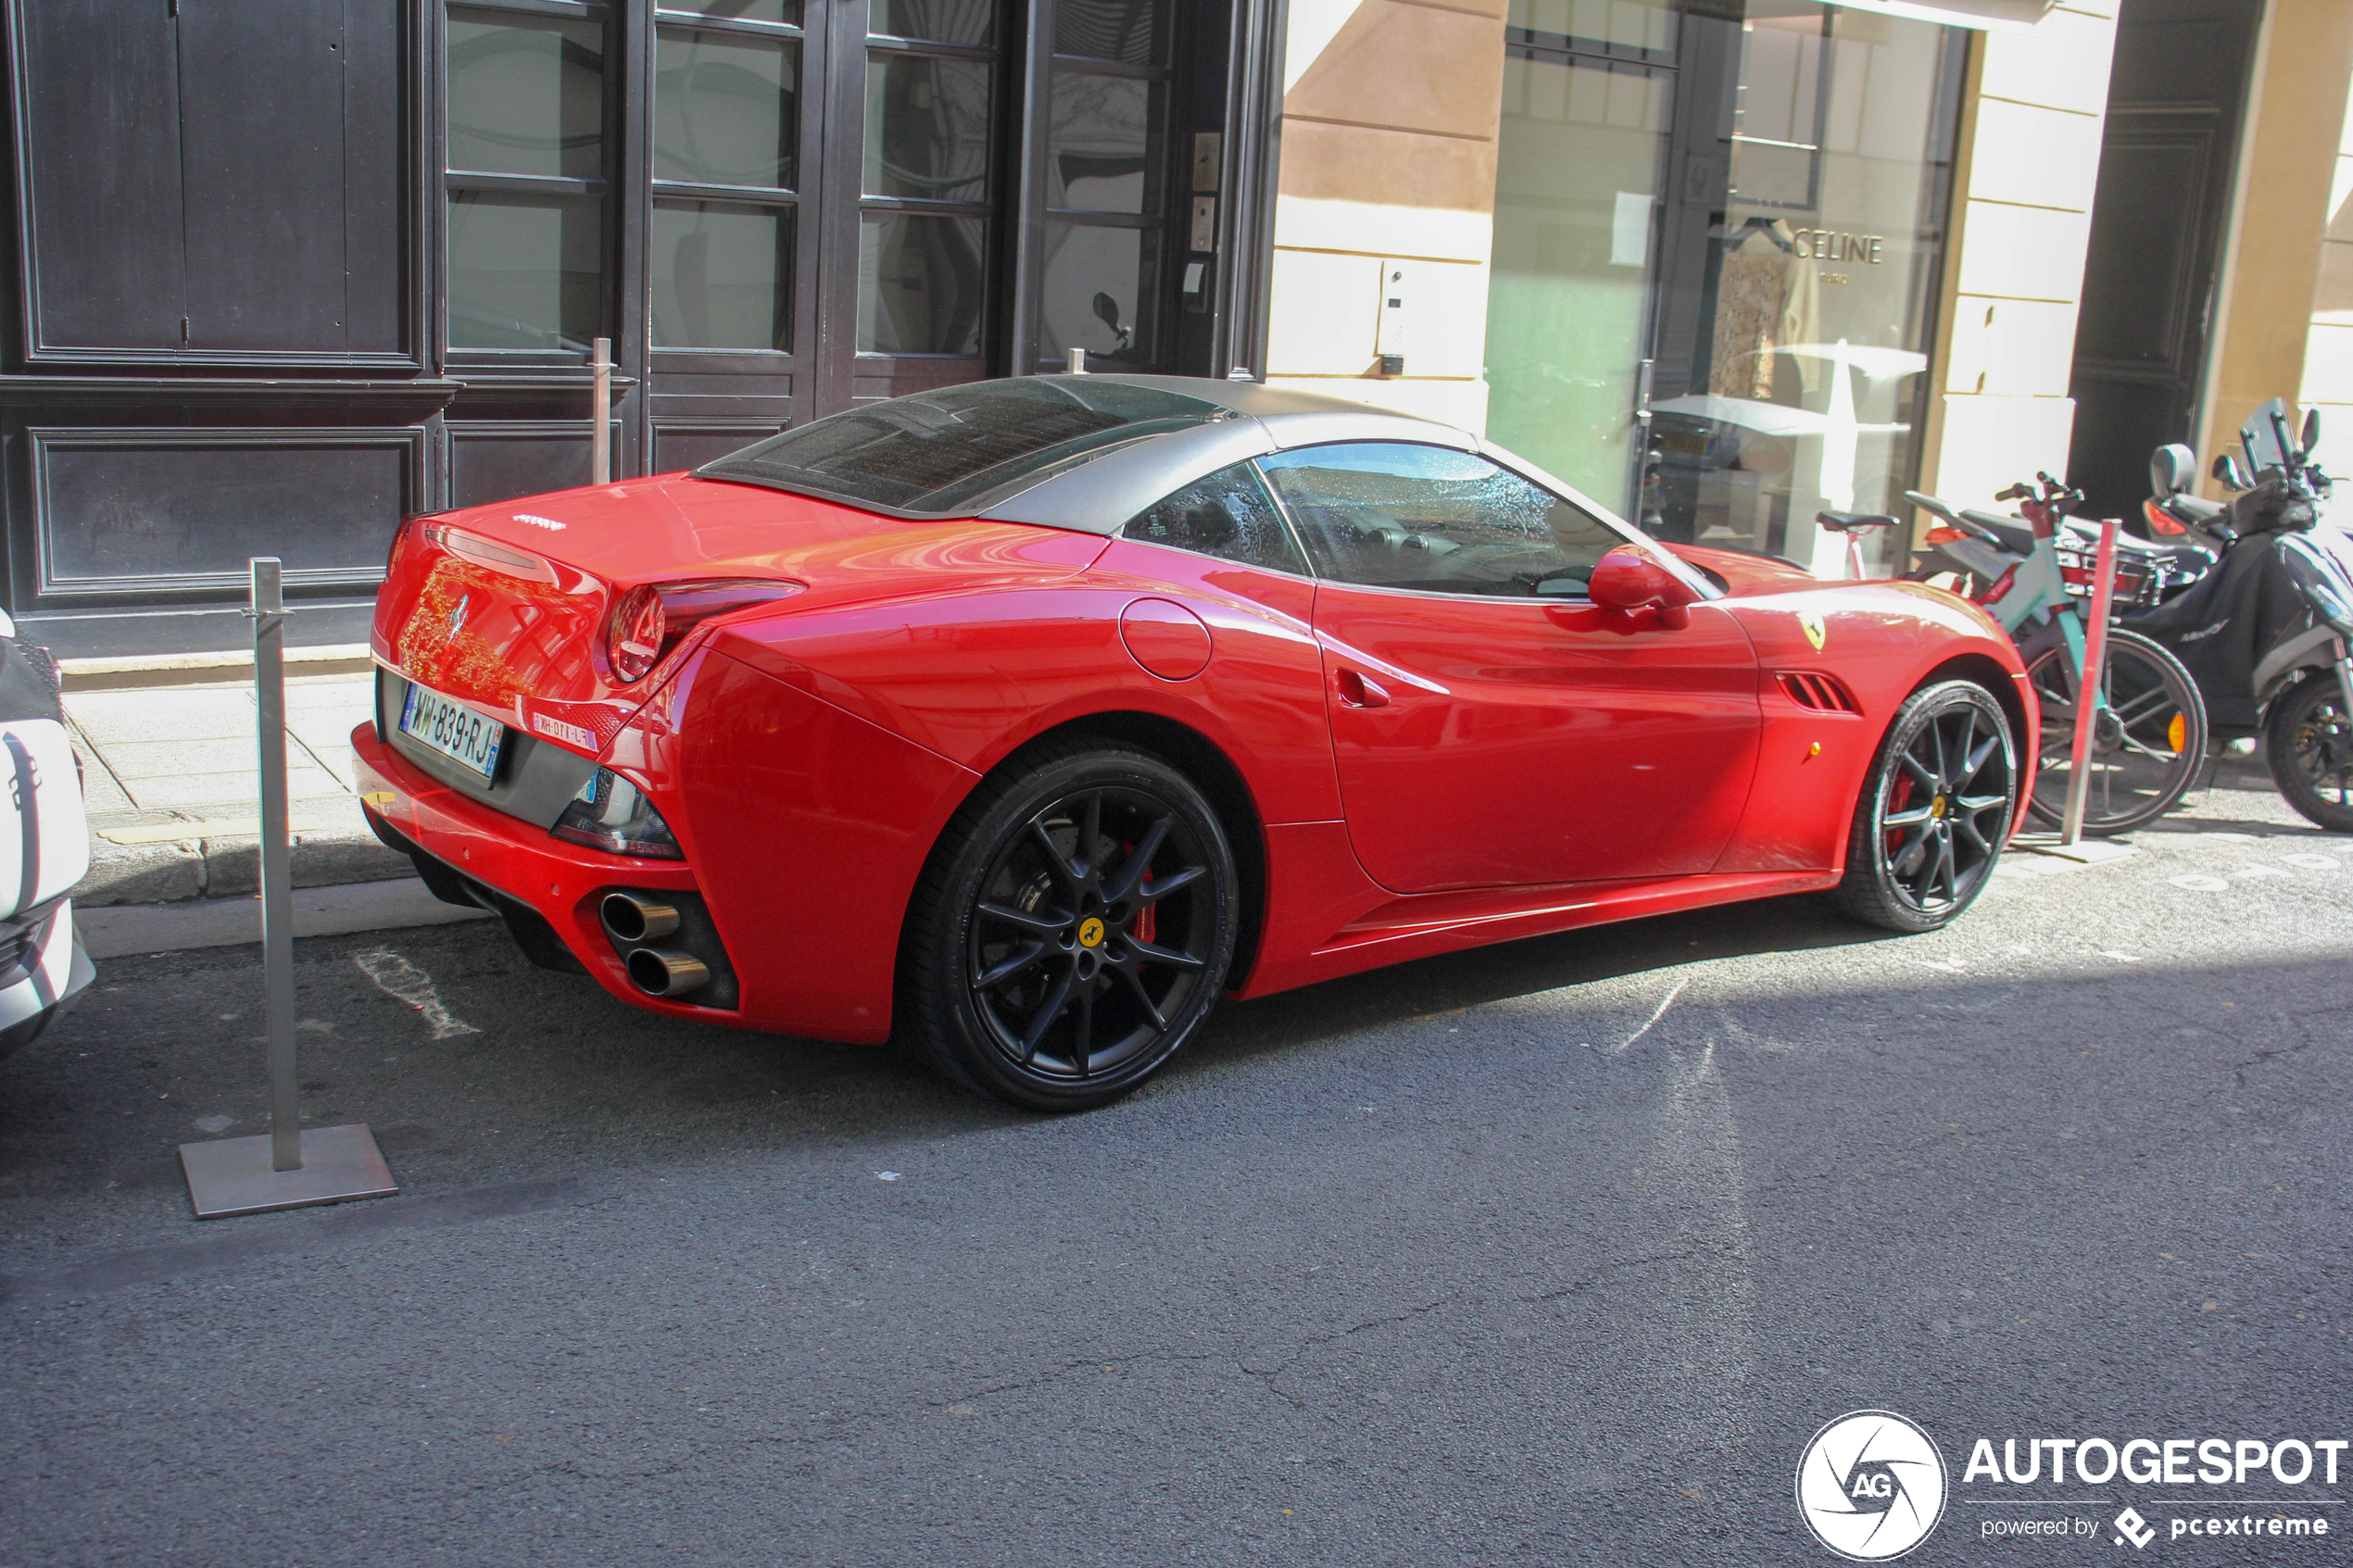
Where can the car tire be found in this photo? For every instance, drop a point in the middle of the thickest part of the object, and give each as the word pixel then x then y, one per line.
pixel 1934 810
pixel 1040 964
pixel 2309 743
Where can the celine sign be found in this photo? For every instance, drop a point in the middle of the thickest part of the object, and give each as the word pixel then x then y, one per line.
pixel 1823 244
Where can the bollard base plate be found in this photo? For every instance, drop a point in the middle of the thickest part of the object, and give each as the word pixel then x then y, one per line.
pixel 232 1175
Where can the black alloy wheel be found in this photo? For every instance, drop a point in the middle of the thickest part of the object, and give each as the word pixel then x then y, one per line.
pixel 1935 812
pixel 1074 929
pixel 2309 743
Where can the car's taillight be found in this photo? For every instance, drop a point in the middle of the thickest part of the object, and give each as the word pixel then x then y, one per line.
pixel 652 617
pixel 634 636
pixel 611 814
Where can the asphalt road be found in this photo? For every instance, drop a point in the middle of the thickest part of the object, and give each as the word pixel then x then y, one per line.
pixel 1554 1253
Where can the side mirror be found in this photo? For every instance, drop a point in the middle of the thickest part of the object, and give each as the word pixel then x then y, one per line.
pixel 2230 472
pixel 2171 470
pixel 1107 312
pixel 1634 590
pixel 2311 432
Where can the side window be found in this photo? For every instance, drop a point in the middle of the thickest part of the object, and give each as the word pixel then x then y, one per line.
pixel 1390 514
pixel 1229 515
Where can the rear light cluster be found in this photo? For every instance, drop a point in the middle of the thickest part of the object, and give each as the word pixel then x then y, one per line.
pixel 653 618
pixel 611 814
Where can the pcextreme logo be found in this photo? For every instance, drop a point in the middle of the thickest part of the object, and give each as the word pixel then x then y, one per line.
pixel 1870 1486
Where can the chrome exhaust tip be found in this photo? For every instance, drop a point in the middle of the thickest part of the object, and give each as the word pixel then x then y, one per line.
pixel 634 919
pixel 659 973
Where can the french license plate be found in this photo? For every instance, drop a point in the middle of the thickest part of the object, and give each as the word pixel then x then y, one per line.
pixel 455 731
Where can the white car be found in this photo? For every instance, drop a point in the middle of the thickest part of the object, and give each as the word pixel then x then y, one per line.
pixel 45 846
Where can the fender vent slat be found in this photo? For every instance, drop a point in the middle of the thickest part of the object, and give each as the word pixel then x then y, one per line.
pixel 1825 694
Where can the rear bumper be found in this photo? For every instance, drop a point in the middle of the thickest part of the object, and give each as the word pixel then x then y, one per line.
pixel 546 891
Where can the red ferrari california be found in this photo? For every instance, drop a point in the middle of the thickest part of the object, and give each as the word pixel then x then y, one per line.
pixel 1023 720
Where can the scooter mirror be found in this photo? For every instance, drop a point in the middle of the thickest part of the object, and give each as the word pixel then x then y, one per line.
pixel 2171 470
pixel 2228 471
pixel 2311 432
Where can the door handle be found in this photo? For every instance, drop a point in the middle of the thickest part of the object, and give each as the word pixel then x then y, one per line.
pixel 1359 691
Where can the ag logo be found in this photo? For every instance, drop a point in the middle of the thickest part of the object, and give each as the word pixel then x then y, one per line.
pixel 1816 630
pixel 1870 1486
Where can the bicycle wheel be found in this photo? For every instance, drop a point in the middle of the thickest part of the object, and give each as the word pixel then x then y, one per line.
pixel 2148 738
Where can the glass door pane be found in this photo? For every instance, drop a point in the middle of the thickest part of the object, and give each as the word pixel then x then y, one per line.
pixel 1100 236
pixel 735 157
pixel 1578 161
pixel 526 230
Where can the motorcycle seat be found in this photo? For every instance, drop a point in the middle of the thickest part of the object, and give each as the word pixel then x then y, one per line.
pixel 2015 535
pixel 1852 522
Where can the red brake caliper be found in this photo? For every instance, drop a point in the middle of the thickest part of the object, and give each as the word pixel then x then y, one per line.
pixel 1899 798
pixel 1147 917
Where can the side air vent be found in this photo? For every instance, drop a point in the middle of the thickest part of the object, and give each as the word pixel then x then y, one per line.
pixel 1827 694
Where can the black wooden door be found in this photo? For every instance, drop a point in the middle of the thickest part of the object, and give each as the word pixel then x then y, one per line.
pixel 2175 102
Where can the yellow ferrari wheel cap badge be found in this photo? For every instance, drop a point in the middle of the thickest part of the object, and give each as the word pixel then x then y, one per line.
pixel 1090 933
pixel 1817 631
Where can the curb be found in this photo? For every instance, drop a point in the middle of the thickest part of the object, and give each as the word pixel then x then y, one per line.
pixel 185 668
pixel 123 929
pixel 208 862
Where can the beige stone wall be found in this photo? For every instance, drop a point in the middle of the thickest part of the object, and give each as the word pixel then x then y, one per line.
pixel 2326 378
pixel 2029 160
pixel 2285 329
pixel 1389 116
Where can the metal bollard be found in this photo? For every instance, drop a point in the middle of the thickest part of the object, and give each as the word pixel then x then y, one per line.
pixel 600 412
pixel 287 1167
pixel 2090 685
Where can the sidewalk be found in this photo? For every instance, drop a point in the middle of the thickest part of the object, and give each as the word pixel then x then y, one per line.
pixel 171 780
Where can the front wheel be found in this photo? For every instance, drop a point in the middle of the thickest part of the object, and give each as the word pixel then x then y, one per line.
pixel 1934 812
pixel 2149 735
pixel 2308 742
pixel 1073 929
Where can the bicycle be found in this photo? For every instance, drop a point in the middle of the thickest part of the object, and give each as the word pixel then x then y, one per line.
pixel 2149 726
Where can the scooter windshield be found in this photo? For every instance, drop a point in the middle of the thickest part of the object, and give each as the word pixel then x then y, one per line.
pixel 2268 437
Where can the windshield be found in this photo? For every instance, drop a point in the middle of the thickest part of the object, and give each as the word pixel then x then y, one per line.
pixel 932 454
pixel 2269 439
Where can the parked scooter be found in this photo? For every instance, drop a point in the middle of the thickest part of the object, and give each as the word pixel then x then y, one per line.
pixel 2268 632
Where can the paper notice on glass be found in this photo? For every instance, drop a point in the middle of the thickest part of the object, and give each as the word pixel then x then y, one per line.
pixel 1630 230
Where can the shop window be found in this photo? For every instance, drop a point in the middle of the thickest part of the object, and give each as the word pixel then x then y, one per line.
pixel 1741 208
pixel 1431 519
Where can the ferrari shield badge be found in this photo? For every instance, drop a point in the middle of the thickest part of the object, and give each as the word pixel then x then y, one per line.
pixel 1816 630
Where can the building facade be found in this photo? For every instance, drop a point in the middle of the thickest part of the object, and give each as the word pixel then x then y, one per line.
pixel 290 270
